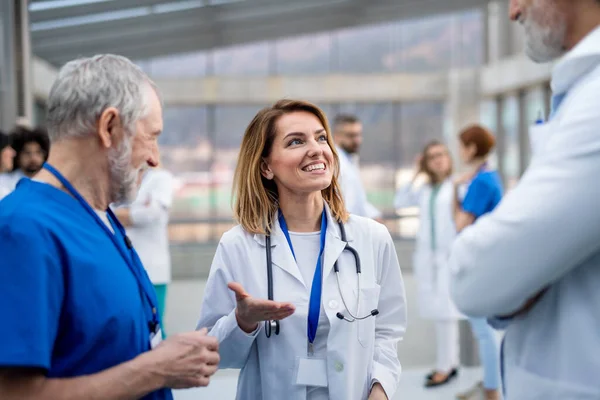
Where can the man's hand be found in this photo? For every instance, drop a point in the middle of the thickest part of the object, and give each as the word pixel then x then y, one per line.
pixel 251 311
pixel 377 392
pixel 186 360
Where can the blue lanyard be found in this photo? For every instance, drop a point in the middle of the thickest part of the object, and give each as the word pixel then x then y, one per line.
pixel 132 259
pixel 314 306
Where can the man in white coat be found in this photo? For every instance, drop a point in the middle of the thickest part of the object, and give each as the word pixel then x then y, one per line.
pixel 533 264
pixel 347 133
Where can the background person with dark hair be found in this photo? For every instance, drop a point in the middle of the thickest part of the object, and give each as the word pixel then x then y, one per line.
pixel 32 147
pixel 7 155
pixel 347 133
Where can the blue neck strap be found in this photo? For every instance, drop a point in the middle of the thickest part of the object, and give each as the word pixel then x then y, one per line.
pixel 314 306
pixel 132 260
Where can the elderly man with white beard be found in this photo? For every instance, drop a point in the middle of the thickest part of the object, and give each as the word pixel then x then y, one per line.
pixel 533 264
pixel 80 315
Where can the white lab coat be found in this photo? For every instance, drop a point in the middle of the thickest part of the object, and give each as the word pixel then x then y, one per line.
pixel 358 353
pixel 150 216
pixel 431 267
pixel 353 191
pixel 546 233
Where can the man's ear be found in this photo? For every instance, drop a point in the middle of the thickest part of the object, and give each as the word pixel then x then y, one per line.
pixel 110 127
pixel 265 170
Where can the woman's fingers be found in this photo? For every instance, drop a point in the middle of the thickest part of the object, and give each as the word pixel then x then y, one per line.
pixel 240 293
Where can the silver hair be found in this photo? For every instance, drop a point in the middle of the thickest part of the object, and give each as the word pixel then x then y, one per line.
pixel 86 87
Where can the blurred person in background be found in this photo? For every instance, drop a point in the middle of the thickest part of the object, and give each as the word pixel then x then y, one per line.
pixel 533 264
pixel 80 313
pixel 432 249
pixel 32 147
pixel 339 329
pixel 347 133
pixel 477 192
pixel 7 156
pixel 146 221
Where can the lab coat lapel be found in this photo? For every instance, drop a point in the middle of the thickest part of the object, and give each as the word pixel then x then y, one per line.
pixel 334 245
pixel 281 254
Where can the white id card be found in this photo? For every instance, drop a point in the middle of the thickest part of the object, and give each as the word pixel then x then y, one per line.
pixel 155 338
pixel 312 372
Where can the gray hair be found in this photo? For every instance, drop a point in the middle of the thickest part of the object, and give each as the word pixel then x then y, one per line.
pixel 86 87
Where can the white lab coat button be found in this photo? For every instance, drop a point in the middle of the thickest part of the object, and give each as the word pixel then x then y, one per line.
pixel 339 366
pixel 333 304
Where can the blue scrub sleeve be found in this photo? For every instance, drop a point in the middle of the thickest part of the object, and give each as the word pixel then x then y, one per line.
pixel 478 197
pixel 31 295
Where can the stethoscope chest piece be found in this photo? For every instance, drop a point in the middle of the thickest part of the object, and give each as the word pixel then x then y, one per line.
pixel 271 327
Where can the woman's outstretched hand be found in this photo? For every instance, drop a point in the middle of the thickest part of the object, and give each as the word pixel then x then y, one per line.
pixel 251 311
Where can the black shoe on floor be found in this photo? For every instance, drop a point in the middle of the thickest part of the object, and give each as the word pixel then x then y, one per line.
pixel 451 375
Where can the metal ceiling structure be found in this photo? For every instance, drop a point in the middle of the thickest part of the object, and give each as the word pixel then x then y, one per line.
pixel 65 29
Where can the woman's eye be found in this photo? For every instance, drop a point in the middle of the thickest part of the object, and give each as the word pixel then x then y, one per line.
pixel 323 138
pixel 294 142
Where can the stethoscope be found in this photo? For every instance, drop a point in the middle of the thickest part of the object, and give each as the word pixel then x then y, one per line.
pixel 274 325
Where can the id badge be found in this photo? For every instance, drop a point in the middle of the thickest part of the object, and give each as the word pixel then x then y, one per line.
pixel 311 372
pixel 156 337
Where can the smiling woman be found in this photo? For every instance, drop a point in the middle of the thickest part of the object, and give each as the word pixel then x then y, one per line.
pixel 279 147
pixel 297 255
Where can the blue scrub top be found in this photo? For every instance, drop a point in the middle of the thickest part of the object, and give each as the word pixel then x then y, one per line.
pixel 483 194
pixel 69 302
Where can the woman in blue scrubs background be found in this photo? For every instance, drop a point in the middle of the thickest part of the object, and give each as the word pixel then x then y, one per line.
pixel 477 192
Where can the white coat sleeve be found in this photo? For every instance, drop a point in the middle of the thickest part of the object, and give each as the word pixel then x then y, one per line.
pixel 218 314
pixel 546 226
pixel 390 324
pixel 407 196
pixel 159 201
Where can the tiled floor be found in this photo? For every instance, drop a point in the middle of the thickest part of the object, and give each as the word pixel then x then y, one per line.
pixel 223 386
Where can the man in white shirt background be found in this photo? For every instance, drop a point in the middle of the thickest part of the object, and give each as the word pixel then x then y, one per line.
pixel 347 134
pixel 533 264
pixel 146 221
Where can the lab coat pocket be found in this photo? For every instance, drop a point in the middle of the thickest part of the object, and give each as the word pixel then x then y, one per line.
pixel 369 301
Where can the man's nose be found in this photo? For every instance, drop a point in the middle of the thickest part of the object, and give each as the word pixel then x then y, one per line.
pixel 154 158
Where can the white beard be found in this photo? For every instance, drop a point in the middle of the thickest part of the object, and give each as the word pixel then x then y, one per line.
pixel 123 177
pixel 545 30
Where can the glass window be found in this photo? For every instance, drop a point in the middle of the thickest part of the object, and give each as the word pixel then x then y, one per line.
pixel 471 28
pixel 419 124
pixel 488 117
pixel 364 50
pixel 186 153
pixel 426 45
pixel 230 125
pixel 510 141
pixel 187 65
pixel 251 59
pixel 303 55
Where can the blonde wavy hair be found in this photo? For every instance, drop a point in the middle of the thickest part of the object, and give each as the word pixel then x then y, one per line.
pixel 256 198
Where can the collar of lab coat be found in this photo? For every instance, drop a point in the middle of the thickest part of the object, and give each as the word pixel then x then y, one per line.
pixel 576 63
pixel 282 256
